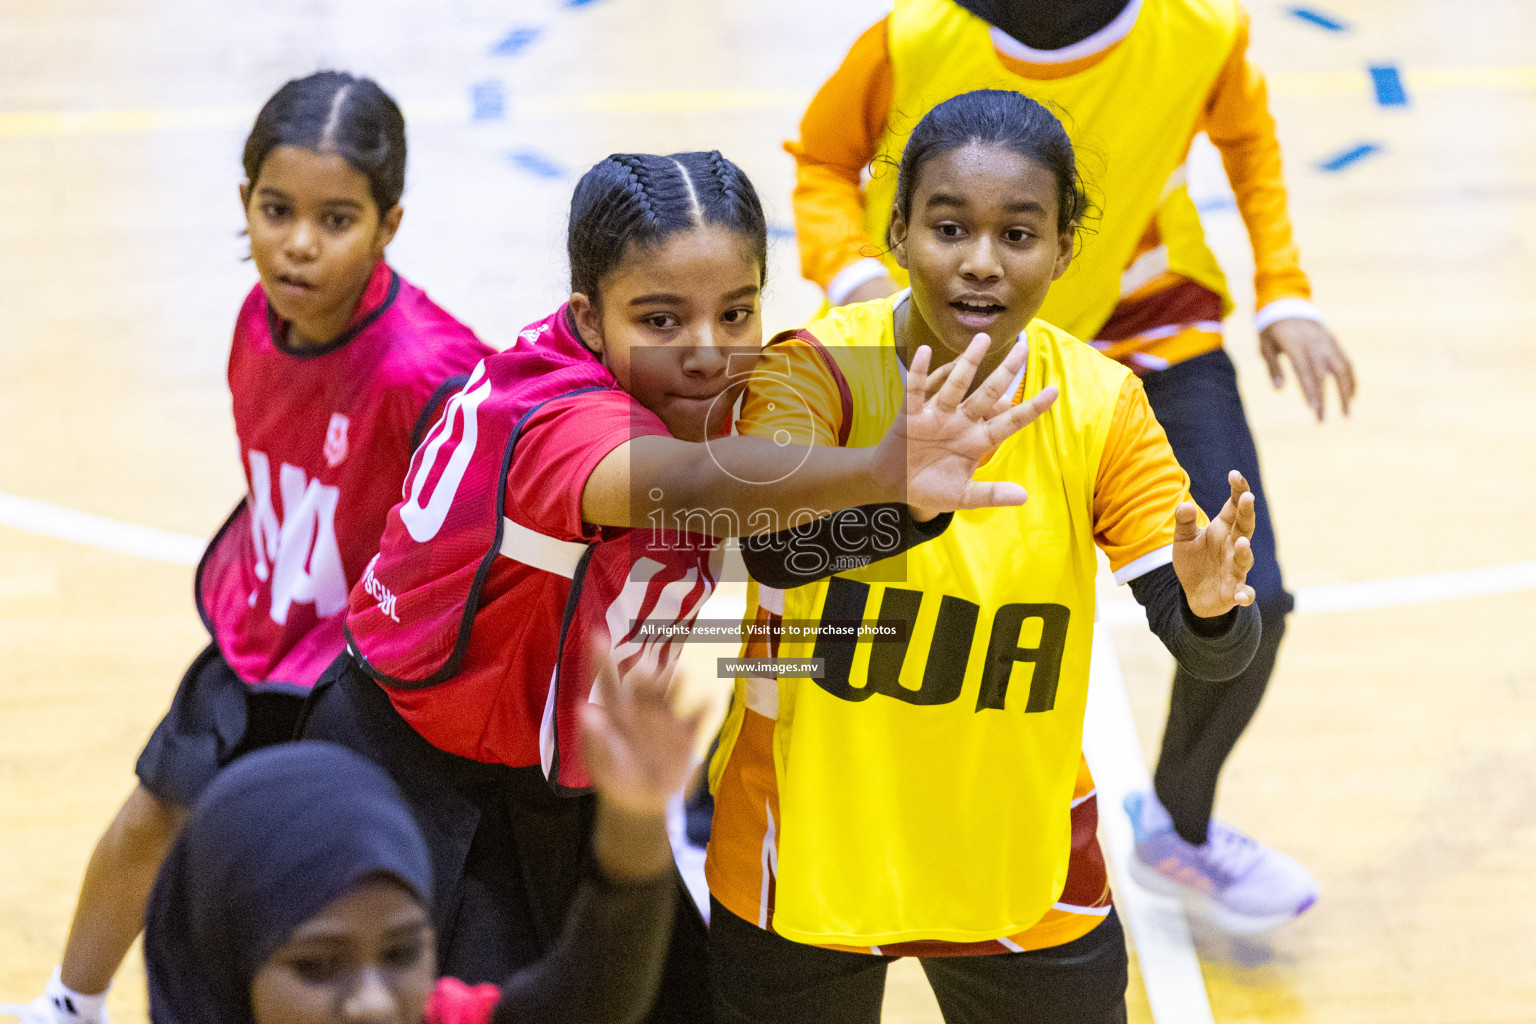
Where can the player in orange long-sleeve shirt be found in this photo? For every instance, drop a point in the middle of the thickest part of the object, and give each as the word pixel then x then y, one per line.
pixel 1135 82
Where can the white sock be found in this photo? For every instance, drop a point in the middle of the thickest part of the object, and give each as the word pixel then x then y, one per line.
pixel 70 1005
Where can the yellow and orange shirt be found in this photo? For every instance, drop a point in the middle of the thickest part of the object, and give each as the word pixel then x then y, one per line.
pixel 929 797
pixel 1146 287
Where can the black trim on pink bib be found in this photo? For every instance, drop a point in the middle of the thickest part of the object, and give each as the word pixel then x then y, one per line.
pixel 276 326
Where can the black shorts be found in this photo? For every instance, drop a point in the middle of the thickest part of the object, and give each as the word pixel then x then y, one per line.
pixel 214 718
pixel 763 978
pixel 508 854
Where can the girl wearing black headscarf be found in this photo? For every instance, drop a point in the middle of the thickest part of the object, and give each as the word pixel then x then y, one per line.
pixel 298 892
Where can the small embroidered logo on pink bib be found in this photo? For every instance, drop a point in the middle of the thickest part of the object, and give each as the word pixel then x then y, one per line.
pixel 336 440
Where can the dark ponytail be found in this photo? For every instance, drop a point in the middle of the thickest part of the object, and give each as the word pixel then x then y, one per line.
pixel 997 117
pixel 334 112
pixel 638 199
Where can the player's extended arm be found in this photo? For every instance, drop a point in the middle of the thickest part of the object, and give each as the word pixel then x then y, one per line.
pixel 1239 123
pixel 846 540
pixel 750 485
pixel 839 135
pixel 1191 604
pixel 1215 648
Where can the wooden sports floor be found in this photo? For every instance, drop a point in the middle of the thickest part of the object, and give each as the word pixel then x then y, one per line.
pixel 1396 753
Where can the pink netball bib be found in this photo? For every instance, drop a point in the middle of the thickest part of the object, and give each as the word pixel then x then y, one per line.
pixel 325 440
pixel 412 614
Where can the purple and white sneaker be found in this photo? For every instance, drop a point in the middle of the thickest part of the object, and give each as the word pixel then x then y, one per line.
pixel 1238 883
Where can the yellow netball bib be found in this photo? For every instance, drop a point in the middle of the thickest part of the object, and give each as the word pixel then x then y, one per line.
pixel 924 783
pixel 1129 137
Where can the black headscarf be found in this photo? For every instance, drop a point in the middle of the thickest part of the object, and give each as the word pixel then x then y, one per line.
pixel 1047 24
pixel 276 837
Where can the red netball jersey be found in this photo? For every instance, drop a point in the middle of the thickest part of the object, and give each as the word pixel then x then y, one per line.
pixel 325 441
pixel 489 590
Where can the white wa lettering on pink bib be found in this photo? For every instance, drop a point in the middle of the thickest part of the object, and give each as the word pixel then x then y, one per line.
pixel 296 556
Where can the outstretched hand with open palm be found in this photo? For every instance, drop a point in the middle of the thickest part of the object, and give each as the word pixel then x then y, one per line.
pixel 1212 564
pixel 940 439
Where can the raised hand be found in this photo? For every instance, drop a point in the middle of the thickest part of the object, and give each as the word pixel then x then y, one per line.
pixel 638 749
pixel 940 438
pixel 1212 564
pixel 1314 354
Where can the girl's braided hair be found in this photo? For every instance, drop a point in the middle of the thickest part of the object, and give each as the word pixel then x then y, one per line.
pixel 639 199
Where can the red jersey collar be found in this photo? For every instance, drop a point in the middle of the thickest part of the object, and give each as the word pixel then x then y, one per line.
pixel 378 295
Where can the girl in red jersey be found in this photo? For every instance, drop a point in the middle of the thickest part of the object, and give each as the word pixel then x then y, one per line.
pixel 574 489
pixel 335 358
pixel 323 917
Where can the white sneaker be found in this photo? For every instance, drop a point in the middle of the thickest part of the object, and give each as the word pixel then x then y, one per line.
pixel 1239 883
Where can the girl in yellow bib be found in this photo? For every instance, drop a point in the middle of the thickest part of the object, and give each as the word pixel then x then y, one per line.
pixel 1135 80
pixel 923 793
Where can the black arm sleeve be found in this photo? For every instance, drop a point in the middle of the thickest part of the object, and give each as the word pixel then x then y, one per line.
pixel 1212 649
pixel 607 965
pixel 850 539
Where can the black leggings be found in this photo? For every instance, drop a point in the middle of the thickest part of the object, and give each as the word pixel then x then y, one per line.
pixel 1197 403
pixel 763 978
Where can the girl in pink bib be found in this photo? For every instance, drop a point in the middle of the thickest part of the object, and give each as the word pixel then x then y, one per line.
pixel 335 360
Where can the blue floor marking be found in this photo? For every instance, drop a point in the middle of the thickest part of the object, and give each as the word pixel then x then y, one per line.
pixel 489 99
pixel 1348 156
pixel 780 231
pixel 516 41
pixel 537 164
pixel 1216 204
pixel 1318 18
pixel 1389 85
pixel 579 3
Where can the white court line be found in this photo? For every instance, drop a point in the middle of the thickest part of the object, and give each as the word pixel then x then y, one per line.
pixel 1426 589
pixel 1325 599
pixel 1170 970
pixel 100 532
pixel 1365 595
